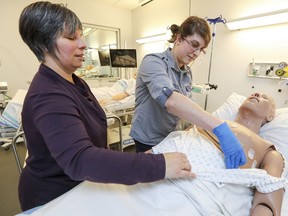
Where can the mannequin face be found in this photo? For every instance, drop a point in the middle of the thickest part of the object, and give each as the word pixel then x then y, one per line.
pixel 260 106
pixel 187 49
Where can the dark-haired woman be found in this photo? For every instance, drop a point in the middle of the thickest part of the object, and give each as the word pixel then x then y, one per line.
pixel 65 127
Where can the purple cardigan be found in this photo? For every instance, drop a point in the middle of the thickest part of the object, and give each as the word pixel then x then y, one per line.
pixel 66 134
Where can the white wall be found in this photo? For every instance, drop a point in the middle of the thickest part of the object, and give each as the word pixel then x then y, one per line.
pixel 232 51
pixel 18 64
pixel 153 19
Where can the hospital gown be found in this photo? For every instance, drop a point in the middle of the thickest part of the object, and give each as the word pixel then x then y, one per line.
pixel 220 187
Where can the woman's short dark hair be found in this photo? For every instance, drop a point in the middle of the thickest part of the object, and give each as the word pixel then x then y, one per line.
pixel 42 22
pixel 190 26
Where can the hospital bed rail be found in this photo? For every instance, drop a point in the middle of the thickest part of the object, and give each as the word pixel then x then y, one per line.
pixel 19 135
pixel 119 121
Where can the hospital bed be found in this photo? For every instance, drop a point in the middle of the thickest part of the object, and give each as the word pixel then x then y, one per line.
pixel 123 109
pixel 119 115
pixel 117 133
pixel 171 197
pixel 11 131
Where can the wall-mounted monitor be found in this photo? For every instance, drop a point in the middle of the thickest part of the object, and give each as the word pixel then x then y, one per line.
pixel 123 58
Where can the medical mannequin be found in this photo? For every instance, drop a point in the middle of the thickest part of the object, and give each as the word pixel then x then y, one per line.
pixel 163 91
pixel 255 111
pixel 120 90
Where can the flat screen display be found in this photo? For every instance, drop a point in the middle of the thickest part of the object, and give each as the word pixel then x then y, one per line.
pixel 123 58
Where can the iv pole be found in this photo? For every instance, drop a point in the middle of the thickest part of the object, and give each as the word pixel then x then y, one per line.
pixel 214 21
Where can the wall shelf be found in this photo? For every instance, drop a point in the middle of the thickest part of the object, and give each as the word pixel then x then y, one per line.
pixel 264 70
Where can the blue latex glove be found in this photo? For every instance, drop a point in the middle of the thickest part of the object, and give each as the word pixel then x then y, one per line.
pixel 230 145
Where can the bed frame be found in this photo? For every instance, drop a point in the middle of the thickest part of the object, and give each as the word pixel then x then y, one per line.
pixel 118 133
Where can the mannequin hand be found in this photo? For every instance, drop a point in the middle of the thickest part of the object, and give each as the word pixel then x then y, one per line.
pixel 231 147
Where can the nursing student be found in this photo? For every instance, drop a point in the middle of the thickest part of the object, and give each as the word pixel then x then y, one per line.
pixel 64 125
pixel 163 91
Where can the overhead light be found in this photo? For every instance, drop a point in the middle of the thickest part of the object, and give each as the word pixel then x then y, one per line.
pixel 153 38
pixel 271 18
pixel 144 2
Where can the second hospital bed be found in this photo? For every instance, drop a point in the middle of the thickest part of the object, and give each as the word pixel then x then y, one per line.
pixel 175 197
pixel 118 134
pixel 123 108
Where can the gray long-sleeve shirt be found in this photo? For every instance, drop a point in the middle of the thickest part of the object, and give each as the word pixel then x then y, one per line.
pixel 157 78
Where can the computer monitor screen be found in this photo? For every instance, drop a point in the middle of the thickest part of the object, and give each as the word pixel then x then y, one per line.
pixel 124 58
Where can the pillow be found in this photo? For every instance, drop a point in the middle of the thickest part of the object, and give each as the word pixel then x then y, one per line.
pixel 229 109
pixel 275 131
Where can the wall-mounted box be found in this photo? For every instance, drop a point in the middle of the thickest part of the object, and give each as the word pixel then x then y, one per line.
pixel 265 70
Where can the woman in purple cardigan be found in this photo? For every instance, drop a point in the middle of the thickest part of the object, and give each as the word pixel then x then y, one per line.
pixel 64 125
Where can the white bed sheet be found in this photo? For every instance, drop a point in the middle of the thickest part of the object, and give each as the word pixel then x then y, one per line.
pixel 161 198
pixel 167 197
